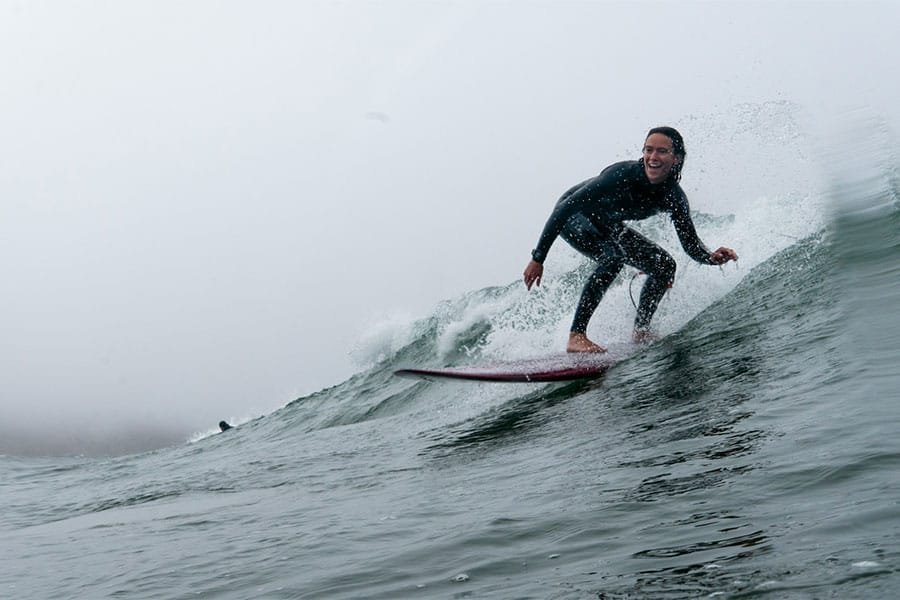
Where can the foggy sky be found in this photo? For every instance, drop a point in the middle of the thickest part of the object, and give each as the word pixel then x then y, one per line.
pixel 206 204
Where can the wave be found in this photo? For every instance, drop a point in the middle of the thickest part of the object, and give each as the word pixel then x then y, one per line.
pixel 800 273
pixel 501 322
pixel 771 319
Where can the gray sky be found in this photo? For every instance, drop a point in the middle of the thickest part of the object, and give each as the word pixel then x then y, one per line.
pixel 204 205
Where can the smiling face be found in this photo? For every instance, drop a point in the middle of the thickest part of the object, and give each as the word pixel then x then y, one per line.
pixel 659 157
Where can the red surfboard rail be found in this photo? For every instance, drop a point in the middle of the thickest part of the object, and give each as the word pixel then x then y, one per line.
pixel 555 368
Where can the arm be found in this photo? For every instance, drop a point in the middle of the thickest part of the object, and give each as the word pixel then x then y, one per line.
pixel 687 234
pixel 572 201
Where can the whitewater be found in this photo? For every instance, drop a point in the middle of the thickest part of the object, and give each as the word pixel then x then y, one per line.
pixel 751 452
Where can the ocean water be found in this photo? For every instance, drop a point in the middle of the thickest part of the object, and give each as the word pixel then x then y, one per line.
pixel 751 452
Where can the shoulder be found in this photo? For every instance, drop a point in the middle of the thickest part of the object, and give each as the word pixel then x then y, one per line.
pixel 618 176
pixel 626 170
pixel 612 179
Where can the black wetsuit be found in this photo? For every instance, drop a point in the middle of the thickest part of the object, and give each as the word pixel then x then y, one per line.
pixel 590 218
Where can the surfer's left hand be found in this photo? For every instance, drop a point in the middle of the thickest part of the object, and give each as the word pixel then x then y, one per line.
pixel 723 255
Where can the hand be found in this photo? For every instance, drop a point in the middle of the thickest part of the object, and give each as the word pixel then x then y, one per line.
pixel 533 273
pixel 723 255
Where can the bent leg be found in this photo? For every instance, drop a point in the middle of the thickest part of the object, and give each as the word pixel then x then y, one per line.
pixel 600 246
pixel 659 267
pixel 593 292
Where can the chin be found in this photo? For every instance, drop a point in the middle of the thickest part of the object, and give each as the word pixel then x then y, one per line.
pixel 657 176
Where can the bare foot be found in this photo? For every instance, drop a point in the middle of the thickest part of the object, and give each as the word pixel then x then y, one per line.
pixel 644 336
pixel 578 342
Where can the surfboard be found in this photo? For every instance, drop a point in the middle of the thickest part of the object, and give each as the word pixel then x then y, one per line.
pixel 566 367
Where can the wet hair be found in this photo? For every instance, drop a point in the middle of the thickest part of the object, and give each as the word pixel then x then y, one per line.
pixel 677 147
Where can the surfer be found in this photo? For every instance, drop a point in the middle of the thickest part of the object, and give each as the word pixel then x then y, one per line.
pixel 224 426
pixel 591 215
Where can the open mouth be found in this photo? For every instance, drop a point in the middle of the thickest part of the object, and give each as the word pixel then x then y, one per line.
pixel 654 169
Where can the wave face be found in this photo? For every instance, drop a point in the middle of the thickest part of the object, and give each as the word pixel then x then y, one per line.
pixel 752 452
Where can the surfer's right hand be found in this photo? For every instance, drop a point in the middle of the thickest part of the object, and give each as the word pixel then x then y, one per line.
pixel 533 273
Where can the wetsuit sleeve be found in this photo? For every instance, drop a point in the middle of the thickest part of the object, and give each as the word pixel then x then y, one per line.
pixel 684 227
pixel 572 201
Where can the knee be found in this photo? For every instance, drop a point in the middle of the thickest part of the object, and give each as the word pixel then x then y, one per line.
pixel 606 271
pixel 665 269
